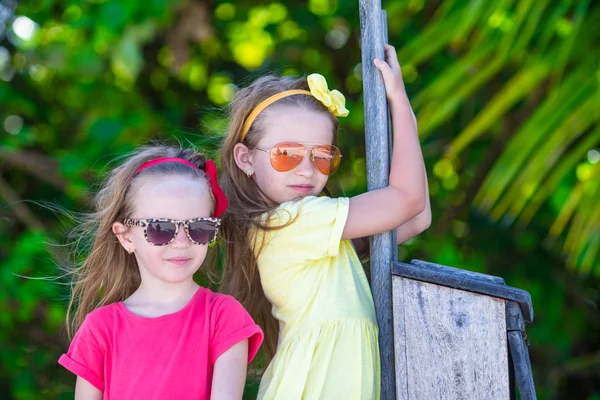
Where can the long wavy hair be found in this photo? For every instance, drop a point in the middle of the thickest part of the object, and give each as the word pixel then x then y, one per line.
pixel 108 273
pixel 246 201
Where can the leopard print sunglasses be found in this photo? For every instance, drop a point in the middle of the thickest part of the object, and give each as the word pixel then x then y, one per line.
pixel 162 231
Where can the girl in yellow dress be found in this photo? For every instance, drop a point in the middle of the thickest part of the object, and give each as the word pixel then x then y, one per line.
pixel 290 256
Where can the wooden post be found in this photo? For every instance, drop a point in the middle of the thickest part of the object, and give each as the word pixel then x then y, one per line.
pixel 378 166
pixel 515 325
pixel 389 132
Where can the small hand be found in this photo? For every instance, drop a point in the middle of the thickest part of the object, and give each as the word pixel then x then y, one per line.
pixel 392 76
pixel 391 72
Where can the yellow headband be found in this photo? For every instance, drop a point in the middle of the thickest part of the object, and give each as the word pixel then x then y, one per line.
pixel 264 104
pixel 333 100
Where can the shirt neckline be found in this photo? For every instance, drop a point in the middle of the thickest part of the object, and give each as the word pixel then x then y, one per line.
pixel 140 318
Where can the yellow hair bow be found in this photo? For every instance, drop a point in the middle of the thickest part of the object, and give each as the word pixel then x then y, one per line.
pixel 332 99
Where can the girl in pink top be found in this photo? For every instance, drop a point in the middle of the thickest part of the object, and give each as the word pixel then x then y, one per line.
pixel 145 328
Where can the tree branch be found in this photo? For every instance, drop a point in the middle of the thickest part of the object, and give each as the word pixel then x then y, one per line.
pixel 42 167
pixel 18 207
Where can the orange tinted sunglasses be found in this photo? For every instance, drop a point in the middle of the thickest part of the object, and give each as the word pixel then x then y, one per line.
pixel 286 156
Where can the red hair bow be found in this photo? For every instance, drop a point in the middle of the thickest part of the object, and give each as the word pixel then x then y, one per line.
pixel 221 202
pixel 210 169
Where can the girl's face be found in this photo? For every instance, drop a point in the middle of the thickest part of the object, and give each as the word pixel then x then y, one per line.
pixel 291 125
pixel 172 197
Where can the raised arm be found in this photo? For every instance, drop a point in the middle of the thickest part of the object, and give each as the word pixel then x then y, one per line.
pixel 404 198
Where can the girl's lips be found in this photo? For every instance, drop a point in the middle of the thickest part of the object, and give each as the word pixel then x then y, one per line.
pixel 180 261
pixel 302 188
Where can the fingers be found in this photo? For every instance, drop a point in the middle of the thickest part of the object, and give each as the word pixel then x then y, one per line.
pixel 386 70
pixel 391 57
pixel 390 80
pixel 390 64
pixel 390 71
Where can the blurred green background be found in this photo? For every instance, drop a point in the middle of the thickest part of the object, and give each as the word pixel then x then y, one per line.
pixel 506 94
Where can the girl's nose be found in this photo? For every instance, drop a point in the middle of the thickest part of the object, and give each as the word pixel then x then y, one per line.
pixel 181 238
pixel 306 167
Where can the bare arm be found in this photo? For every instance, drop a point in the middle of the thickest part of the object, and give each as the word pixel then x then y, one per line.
pixel 418 224
pixel 86 391
pixel 229 375
pixel 404 232
pixel 405 197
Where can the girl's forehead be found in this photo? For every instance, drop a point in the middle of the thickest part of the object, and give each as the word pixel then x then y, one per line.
pixel 296 124
pixel 176 197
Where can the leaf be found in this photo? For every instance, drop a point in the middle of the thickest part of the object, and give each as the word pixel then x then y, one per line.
pixel 515 90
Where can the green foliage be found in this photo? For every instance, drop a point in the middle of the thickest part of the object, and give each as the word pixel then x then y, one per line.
pixel 506 95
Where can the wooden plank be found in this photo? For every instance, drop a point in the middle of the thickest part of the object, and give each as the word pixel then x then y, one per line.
pixel 401 372
pixel 523 373
pixel 465 280
pixel 390 133
pixel 515 325
pixel 378 166
pixel 467 274
pixel 456 346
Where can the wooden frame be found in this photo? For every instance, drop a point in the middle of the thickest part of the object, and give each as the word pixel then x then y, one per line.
pixel 496 313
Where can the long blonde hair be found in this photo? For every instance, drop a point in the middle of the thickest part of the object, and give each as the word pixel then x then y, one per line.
pixel 246 201
pixel 108 273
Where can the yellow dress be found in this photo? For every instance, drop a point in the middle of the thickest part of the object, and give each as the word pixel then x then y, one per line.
pixel 327 347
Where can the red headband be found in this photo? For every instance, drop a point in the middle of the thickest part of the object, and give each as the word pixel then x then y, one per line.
pixel 210 169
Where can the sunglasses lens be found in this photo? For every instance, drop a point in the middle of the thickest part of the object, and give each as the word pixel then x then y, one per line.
pixel 202 232
pixel 160 232
pixel 326 158
pixel 286 156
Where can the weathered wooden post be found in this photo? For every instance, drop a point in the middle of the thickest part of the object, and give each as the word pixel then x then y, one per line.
pixel 378 166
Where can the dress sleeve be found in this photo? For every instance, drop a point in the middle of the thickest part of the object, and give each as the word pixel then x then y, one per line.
pixel 314 230
pixel 231 324
pixel 85 357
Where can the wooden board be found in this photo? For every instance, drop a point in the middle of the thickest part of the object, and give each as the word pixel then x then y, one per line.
pixel 449 343
pixel 465 280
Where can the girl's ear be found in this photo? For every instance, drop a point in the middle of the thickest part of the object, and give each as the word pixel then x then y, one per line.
pixel 123 233
pixel 243 157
